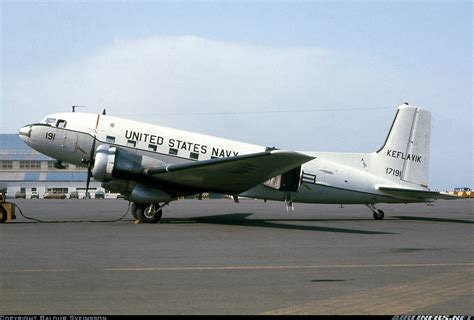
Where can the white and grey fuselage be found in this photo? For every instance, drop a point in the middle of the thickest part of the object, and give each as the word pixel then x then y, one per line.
pixel 340 178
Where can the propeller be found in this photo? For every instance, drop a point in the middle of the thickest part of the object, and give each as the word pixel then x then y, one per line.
pixel 90 162
pixel 89 168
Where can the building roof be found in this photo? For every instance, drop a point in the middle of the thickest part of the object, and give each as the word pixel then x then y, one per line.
pixel 13 148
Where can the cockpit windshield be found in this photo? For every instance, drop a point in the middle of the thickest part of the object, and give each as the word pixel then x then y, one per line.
pixel 49 121
pixel 61 123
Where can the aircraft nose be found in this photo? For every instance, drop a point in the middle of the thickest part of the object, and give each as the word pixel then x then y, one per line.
pixel 25 133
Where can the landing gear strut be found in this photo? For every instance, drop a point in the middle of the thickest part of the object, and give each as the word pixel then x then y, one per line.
pixel 147 213
pixel 289 202
pixel 377 213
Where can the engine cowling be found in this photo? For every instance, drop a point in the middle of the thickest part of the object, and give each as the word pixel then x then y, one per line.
pixel 117 163
pixel 104 163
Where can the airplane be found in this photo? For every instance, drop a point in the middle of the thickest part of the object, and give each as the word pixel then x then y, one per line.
pixel 153 165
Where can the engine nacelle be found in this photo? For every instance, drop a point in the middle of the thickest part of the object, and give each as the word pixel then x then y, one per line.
pixel 137 192
pixel 119 170
pixel 145 194
pixel 117 163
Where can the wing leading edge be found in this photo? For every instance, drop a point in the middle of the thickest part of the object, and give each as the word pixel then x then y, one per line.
pixel 229 175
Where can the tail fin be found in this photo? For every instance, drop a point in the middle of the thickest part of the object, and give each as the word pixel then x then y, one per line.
pixel 405 153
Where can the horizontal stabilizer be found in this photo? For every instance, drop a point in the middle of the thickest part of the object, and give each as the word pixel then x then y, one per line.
pixel 416 194
pixel 231 175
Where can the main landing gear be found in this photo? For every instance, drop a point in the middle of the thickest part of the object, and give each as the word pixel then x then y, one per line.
pixel 377 213
pixel 146 212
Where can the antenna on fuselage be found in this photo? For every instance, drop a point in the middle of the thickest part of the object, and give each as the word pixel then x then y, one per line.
pixel 74 108
pixel 103 112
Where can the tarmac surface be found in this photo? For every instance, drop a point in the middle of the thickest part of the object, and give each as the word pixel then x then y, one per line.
pixel 219 257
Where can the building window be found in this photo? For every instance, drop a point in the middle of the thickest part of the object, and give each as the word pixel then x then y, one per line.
pixel 194 155
pixel 152 147
pixel 7 164
pixel 131 143
pixel 59 190
pixel 110 139
pixel 30 164
pixel 173 151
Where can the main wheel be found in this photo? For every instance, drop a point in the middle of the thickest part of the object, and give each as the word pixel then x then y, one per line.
pixel 134 210
pixel 379 215
pixel 146 214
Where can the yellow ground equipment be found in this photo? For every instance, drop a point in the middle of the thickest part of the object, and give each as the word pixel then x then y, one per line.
pixel 463 192
pixel 7 209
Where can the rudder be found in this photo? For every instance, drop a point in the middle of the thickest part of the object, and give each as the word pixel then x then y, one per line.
pixel 405 153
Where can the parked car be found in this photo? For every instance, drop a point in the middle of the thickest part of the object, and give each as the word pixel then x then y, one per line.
pixel 74 195
pixel 20 195
pixel 34 195
pixel 99 195
pixel 54 195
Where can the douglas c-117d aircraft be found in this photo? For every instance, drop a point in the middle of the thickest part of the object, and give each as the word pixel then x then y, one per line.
pixel 153 165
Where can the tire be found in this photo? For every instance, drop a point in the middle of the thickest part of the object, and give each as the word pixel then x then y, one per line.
pixel 379 215
pixel 3 215
pixel 133 209
pixel 145 217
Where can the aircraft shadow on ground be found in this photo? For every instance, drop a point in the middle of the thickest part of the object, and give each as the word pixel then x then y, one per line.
pixel 240 219
pixel 433 219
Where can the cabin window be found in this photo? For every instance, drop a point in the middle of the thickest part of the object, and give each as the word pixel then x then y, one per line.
pixel 152 147
pixel 61 123
pixel 110 139
pixel 194 155
pixel 173 151
pixel 131 143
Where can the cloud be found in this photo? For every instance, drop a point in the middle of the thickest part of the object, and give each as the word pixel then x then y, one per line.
pixel 191 74
pixel 180 73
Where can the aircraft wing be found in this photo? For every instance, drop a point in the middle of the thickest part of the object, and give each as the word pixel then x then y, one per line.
pixel 416 194
pixel 231 175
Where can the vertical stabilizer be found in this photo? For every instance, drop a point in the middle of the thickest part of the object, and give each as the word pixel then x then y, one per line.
pixel 405 155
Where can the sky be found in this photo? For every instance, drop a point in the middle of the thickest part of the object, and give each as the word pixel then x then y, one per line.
pixel 313 75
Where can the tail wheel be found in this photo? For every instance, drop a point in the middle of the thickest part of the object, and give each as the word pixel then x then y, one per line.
pixel 149 213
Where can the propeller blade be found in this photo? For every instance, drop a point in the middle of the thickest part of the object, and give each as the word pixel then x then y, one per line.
pixel 89 169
